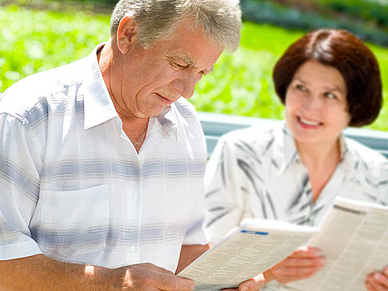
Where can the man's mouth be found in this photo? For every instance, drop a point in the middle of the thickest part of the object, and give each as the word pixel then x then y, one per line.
pixel 164 99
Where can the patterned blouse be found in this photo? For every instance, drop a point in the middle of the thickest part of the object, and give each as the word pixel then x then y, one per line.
pixel 257 173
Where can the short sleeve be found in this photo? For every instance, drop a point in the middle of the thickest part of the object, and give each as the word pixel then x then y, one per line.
pixel 20 164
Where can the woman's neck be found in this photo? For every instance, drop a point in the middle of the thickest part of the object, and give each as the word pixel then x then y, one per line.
pixel 319 155
pixel 321 161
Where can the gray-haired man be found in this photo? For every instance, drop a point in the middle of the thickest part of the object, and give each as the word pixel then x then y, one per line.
pixel 102 160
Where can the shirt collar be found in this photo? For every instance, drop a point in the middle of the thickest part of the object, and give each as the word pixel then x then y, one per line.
pixel 290 151
pixel 98 104
pixel 344 148
pixel 168 119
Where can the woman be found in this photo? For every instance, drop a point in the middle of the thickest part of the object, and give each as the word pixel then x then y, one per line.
pixel 328 80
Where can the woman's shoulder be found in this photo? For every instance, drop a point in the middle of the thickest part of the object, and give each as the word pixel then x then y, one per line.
pixel 368 170
pixel 366 164
pixel 363 154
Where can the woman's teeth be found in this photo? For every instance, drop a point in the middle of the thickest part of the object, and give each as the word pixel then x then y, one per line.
pixel 307 122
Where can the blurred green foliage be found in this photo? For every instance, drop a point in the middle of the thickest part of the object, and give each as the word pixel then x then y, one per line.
pixel 290 17
pixel 376 11
pixel 240 84
pixel 247 76
pixel 36 40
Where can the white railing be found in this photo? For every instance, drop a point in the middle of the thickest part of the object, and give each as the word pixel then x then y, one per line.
pixel 214 125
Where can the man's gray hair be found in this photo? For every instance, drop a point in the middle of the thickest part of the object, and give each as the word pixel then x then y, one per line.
pixel 157 19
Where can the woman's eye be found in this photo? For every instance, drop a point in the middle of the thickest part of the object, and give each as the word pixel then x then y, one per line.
pixel 331 96
pixel 301 88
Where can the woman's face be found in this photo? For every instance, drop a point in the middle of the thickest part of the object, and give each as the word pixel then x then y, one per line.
pixel 316 106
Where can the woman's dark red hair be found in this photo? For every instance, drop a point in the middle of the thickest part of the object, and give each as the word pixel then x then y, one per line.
pixel 350 56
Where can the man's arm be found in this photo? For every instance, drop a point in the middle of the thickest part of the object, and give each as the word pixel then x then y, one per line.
pixel 189 253
pixel 40 273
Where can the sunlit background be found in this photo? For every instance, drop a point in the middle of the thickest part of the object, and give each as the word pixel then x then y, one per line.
pixel 36 35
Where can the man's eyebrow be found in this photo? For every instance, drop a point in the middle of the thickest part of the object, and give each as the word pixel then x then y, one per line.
pixel 191 63
pixel 184 58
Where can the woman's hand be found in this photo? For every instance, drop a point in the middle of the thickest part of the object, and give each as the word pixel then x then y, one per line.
pixel 377 281
pixel 301 264
pixel 253 284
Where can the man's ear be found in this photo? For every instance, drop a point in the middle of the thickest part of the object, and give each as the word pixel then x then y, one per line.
pixel 126 34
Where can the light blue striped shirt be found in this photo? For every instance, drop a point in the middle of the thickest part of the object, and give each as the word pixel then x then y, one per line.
pixel 73 187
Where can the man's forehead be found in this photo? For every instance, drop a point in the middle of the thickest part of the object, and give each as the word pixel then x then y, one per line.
pixel 192 42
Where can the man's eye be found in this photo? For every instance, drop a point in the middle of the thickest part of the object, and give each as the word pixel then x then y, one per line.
pixel 181 66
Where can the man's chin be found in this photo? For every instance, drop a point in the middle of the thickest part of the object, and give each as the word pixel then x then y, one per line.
pixel 163 110
pixel 155 112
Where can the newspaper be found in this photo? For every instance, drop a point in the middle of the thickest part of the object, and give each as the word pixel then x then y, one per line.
pixel 248 250
pixel 354 240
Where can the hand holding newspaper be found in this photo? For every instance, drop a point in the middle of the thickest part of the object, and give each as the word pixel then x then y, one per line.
pixel 354 240
pixel 248 250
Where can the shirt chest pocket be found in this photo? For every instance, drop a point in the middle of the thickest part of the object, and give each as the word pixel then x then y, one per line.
pixel 72 222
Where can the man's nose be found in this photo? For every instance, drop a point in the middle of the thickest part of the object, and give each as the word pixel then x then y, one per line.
pixel 185 84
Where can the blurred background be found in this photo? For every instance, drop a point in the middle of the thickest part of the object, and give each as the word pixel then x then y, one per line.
pixel 37 35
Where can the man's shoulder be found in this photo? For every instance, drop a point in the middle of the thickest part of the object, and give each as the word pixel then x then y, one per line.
pixel 23 96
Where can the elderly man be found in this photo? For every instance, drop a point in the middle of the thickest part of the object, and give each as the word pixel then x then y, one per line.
pixel 102 160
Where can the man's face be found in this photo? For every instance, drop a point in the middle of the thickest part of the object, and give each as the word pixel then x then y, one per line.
pixel 145 81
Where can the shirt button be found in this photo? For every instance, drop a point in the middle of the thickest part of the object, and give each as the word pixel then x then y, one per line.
pixel 134 198
pixel 133 249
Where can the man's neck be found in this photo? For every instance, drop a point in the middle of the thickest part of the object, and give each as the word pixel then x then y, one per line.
pixel 134 127
pixel 136 130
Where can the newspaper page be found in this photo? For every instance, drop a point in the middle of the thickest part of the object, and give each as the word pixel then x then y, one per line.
pixel 248 250
pixel 354 240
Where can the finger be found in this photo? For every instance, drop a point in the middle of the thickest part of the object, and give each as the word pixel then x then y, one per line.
pixel 374 285
pixel 174 283
pixel 381 279
pixel 303 262
pixel 296 273
pixel 370 283
pixel 385 272
pixel 368 286
pixel 253 284
pixel 306 252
